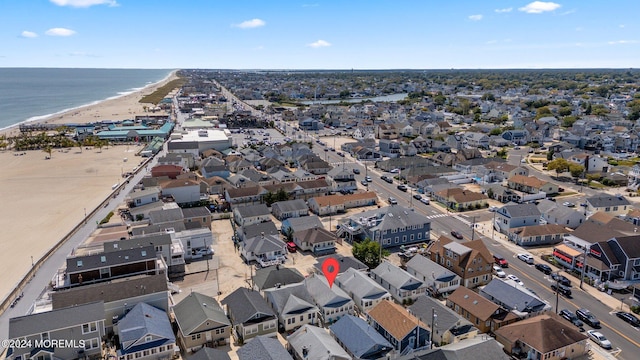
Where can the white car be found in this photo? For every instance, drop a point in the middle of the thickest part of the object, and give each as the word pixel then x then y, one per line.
pixel 515 279
pixel 499 272
pixel 394 171
pixel 599 339
pixel 424 200
pixel 528 258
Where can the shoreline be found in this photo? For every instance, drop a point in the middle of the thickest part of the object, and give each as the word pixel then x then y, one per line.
pixel 57 117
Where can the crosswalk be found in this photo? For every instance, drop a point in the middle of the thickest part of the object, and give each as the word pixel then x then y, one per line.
pixel 435 216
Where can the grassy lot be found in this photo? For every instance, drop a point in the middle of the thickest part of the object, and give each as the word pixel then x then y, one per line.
pixel 161 93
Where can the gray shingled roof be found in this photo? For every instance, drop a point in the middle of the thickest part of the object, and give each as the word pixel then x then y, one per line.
pixel 393 217
pixel 165 215
pixel 319 344
pixel 250 231
pixel 511 297
pixel 144 320
pixel 138 242
pixel 427 268
pixel 290 299
pixel 290 205
pixel 194 212
pixel 197 308
pixel 246 305
pixel 207 353
pixel 397 277
pixel 323 295
pixel 253 210
pixel 447 318
pixel 521 210
pixel 96 261
pixel 303 223
pixel 263 245
pixel 263 348
pixel 273 275
pixel 344 263
pixel 358 337
pixel 607 200
pixel 36 324
pixel 177 226
pixel 360 284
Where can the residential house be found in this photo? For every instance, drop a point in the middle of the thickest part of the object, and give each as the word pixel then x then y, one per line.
pixel 359 339
pixel 471 260
pixel 143 197
pixel 199 214
pixel 460 200
pixel 565 216
pixel 308 189
pixel 531 185
pixel 496 171
pixel 250 231
pixel 610 204
pixel 516 136
pixel 265 249
pixel 263 348
pixel 206 353
pixel 404 331
pixel 275 276
pixel 88 269
pixel 477 140
pixel 317 240
pixel 365 292
pixel 314 343
pixel 291 208
pixel 389 148
pixel 118 296
pixel 621 254
pixel 212 166
pixel 514 297
pixel 513 216
pixel 438 279
pixel 486 315
pixel 183 191
pixel 342 178
pixel 145 333
pixel 252 214
pixel 291 225
pixel 591 163
pixel 449 327
pixel 543 337
pixel 477 348
pixel 293 304
pixel 250 315
pixel 83 325
pixel 169 249
pixel 400 284
pixel 333 204
pixel 244 195
pixel 170 171
pixel 547 234
pixel 201 322
pixel 391 226
pixel 344 263
pixel 333 302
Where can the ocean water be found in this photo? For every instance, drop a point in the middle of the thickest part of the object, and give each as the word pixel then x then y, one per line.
pixel 31 94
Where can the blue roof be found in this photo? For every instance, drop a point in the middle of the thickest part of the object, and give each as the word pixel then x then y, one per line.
pixel 358 337
pixel 145 320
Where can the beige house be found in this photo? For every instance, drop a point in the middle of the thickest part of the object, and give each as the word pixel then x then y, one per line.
pixel 332 204
pixel 460 200
pixel 201 322
pixel 531 185
pixel 543 337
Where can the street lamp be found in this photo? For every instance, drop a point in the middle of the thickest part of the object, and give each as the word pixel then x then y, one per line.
pixel 557 289
pixel 433 323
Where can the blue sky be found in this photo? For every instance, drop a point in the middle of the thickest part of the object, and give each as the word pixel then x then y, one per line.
pixel 316 34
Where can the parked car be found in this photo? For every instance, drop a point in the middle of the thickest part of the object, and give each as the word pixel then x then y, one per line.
pixel 394 171
pixel 528 258
pixel 402 187
pixel 393 201
pixel 499 272
pixel 628 317
pixel 561 279
pixel 568 315
pixel 417 196
pixel 340 153
pixel 599 339
pixel 364 183
pixel 586 316
pixel 367 178
pixel 500 261
pixel 564 290
pixel 516 279
pixel 356 171
pixel 424 200
pixel 544 268
pixel 291 246
pixel 389 180
pixel 568 204
pixel 493 208
pixel 456 235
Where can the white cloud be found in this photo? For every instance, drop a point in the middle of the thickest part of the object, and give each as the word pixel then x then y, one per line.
pixel 250 24
pixel 505 10
pixel 477 17
pixel 319 44
pixel 84 3
pixel 28 34
pixel 538 7
pixel 622 42
pixel 60 32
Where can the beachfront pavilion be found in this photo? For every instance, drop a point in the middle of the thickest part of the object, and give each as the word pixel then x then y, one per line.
pixel 135 133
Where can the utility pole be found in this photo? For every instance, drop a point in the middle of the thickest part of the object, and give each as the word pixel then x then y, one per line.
pixel 493 226
pixel 433 323
pixel 557 288
pixel 584 266
pixel 473 228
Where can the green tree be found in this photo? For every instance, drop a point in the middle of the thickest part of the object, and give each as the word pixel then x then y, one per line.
pixel 565 111
pixel 282 195
pixel 269 198
pixel 550 154
pixel 576 170
pixel 558 165
pixel 368 252
pixel 495 131
pixel 48 150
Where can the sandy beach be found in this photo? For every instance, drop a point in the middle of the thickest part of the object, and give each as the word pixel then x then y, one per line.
pixel 44 199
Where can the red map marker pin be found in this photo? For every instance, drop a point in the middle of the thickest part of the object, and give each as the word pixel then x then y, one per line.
pixel 330 269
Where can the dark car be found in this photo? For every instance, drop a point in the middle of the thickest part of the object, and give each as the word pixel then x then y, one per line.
pixel 402 188
pixel 544 268
pixel 568 315
pixel 417 196
pixel 389 180
pixel 628 317
pixel 500 261
pixel 561 279
pixel 564 290
pixel 456 235
pixel 356 171
pixel 586 316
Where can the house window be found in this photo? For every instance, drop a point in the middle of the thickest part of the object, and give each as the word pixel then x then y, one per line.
pixel 148 338
pixel 44 336
pixel 196 337
pixel 404 238
pixel 397 239
pixel 419 236
pixel 91 344
pixel 411 237
pixel 89 327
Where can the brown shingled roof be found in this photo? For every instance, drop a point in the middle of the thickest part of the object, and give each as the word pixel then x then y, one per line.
pixel 474 303
pixel 527 180
pixel 395 319
pixel 544 333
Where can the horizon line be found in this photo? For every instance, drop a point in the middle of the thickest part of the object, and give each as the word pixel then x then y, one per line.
pixel 322 69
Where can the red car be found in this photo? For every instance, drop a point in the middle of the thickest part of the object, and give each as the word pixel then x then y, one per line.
pixel 500 261
pixel 291 246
